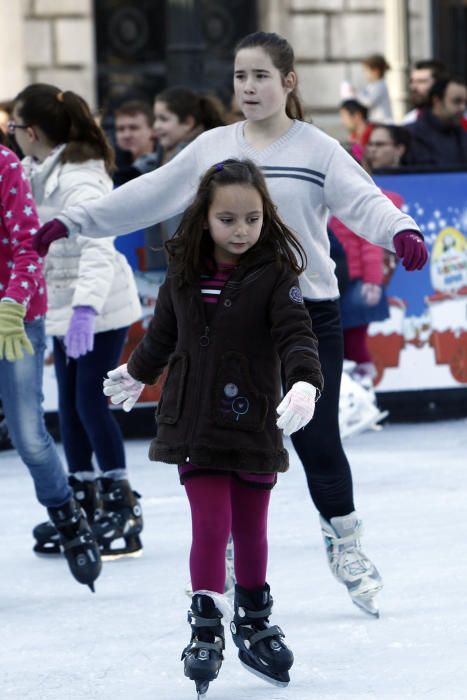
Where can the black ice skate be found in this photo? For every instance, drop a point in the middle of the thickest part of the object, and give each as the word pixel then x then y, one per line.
pixel 119 518
pixel 46 535
pixel 78 542
pixel 203 655
pixel 261 649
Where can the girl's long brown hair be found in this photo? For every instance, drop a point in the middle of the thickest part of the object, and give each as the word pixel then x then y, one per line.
pixel 65 117
pixel 185 103
pixel 192 246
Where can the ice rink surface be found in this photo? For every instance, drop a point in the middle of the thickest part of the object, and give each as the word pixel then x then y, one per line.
pixel 60 642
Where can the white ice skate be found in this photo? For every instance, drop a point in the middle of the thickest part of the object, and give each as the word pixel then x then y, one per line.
pixel 357 408
pixel 349 564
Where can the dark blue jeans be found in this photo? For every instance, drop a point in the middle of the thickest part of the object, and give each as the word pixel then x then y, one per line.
pixel 21 391
pixel 87 425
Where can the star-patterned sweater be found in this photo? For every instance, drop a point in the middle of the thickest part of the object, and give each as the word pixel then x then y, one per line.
pixel 21 276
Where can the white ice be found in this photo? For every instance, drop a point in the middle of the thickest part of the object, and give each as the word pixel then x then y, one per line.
pixel 60 642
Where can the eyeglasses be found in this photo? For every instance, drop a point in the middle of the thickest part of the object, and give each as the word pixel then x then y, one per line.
pixel 12 126
pixel 379 144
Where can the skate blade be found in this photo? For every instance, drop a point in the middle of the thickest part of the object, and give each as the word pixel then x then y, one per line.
pixel 47 553
pixel 367 605
pixel 202 689
pixel 113 556
pixel 273 681
pixel 371 423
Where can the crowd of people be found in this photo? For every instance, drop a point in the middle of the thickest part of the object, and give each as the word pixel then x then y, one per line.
pixel 436 126
pixel 247 323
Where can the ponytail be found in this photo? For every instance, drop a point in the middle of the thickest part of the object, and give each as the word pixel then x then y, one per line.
pixel 65 117
pixel 210 112
pixel 183 102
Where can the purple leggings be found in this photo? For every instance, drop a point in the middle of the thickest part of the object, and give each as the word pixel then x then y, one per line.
pixel 220 505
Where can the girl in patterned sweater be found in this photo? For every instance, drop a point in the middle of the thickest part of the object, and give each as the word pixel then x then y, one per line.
pixel 23 303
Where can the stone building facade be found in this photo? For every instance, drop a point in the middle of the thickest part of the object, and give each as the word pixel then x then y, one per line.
pixel 54 41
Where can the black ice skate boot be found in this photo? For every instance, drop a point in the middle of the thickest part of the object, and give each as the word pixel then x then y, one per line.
pixel 78 542
pixel 261 649
pixel 203 655
pixel 46 535
pixel 119 517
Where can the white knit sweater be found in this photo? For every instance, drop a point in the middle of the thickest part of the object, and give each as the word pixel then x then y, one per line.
pixel 308 174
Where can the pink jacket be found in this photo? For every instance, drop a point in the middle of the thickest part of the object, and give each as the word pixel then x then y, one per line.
pixel 364 260
pixel 21 276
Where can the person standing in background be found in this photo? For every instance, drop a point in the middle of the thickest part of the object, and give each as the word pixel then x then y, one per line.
pixel 375 94
pixel 134 138
pixel 92 301
pixel 423 76
pixel 23 304
pixel 437 137
pixel 354 116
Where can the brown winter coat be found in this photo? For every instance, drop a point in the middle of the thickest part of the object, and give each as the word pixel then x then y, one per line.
pixel 218 405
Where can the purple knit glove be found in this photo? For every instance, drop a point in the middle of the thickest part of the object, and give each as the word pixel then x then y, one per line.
pixel 409 246
pixel 47 234
pixel 79 338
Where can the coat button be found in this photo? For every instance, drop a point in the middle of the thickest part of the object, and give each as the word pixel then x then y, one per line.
pixel 228 303
pixel 204 341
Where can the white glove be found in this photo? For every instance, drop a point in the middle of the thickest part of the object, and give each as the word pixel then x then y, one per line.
pixel 297 407
pixel 121 387
pixel 371 293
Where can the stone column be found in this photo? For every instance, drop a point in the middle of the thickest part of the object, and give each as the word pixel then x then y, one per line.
pixel 12 70
pixel 396 31
pixel 185 45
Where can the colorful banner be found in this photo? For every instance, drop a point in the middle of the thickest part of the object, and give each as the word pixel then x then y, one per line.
pixel 423 345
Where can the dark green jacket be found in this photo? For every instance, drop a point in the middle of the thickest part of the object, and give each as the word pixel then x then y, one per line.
pixel 218 404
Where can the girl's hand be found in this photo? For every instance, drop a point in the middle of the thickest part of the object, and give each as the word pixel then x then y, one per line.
pixel 122 388
pixel 47 234
pixel 79 338
pixel 409 246
pixel 371 293
pixel 297 407
pixel 13 338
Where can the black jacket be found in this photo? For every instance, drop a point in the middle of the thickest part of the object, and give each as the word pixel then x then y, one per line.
pixel 218 404
pixel 436 143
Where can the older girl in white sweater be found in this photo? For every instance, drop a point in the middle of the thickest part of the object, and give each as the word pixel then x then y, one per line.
pixel 308 174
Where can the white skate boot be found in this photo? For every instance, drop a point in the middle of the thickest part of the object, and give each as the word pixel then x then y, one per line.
pixel 357 407
pixel 348 563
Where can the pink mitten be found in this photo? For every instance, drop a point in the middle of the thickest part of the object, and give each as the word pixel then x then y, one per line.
pixel 409 246
pixel 47 234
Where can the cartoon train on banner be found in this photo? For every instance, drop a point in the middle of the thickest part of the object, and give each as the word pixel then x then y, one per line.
pixel 443 326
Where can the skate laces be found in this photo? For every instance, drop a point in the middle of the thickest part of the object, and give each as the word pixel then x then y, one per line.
pixel 347 554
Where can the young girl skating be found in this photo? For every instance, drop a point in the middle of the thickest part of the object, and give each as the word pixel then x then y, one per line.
pixel 92 301
pixel 229 313
pixel 308 174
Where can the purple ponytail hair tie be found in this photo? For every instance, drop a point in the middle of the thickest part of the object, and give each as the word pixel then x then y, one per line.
pixel 219 167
